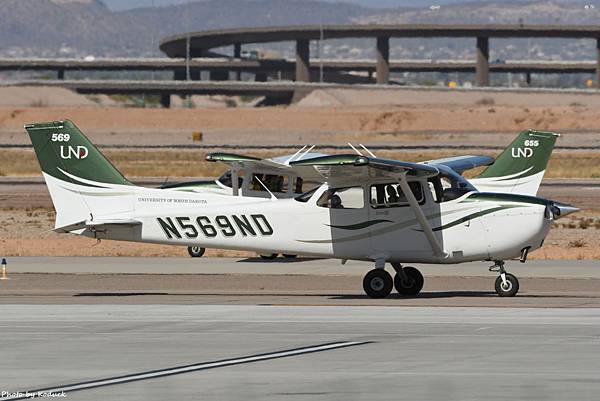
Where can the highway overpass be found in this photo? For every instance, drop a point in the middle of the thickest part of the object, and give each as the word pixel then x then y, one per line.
pixel 199 44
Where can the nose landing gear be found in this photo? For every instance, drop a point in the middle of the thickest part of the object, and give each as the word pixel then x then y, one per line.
pixel 506 284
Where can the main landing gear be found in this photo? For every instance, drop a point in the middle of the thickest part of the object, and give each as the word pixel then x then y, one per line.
pixel 507 285
pixel 378 283
pixel 196 251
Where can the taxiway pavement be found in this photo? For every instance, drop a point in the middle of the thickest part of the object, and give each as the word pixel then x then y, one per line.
pixel 302 281
pixel 283 266
pixel 389 353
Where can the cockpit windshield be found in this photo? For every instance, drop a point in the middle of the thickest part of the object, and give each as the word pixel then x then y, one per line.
pixel 449 185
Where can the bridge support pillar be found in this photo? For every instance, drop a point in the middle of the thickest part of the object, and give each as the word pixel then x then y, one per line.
pixel 598 63
pixel 528 78
pixel 237 54
pixel 383 60
pixel 61 74
pixel 302 60
pixel 482 68
pixel 165 101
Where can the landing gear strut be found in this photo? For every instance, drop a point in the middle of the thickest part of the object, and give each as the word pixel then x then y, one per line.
pixel 408 280
pixel 506 284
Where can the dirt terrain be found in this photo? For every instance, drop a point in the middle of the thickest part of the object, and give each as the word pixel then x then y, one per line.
pixel 420 118
pixel 439 119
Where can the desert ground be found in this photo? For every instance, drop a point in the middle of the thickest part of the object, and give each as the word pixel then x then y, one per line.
pixel 163 145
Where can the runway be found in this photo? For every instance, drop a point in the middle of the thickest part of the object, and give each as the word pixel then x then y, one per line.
pixel 302 281
pixel 383 353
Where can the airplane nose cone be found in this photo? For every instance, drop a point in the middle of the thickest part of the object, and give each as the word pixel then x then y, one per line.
pixel 562 209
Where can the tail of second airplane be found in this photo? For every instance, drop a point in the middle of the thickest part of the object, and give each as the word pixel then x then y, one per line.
pixel 520 167
pixel 83 184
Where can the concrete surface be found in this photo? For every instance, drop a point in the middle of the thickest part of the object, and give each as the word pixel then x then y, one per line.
pixel 281 266
pixel 119 280
pixel 412 353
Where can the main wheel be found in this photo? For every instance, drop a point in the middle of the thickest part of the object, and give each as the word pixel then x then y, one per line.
pixel 196 251
pixel 378 283
pixel 269 256
pixel 288 256
pixel 509 289
pixel 414 283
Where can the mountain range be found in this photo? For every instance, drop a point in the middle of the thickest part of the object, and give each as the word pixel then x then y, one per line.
pixel 77 28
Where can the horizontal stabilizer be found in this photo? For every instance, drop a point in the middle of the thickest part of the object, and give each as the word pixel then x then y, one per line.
pixel 463 163
pixel 95 224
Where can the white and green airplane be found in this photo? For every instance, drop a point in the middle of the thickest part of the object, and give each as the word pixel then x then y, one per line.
pixel 363 208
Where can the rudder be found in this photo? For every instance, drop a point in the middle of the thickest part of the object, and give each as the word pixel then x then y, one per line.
pixel 81 181
pixel 521 166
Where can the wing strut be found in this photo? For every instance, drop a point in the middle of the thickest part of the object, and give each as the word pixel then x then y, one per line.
pixel 414 204
pixel 235 185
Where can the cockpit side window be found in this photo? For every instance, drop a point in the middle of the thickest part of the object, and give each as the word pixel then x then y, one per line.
pixel 391 194
pixel 343 198
pixel 446 187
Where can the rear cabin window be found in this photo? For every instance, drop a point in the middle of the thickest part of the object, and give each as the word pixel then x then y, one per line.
pixel 343 198
pixel 298 185
pixel 391 195
pixel 225 179
pixel 275 183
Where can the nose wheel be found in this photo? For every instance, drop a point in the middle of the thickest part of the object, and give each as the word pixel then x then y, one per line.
pixel 507 285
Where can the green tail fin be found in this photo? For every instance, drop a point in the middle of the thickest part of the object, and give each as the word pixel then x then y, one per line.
pixel 63 150
pixel 527 155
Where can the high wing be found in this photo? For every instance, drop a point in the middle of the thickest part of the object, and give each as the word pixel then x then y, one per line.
pixel 462 163
pixel 280 163
pixel 319 167
pixel 350 167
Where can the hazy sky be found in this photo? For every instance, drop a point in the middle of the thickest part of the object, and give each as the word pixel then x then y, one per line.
pixel 126 4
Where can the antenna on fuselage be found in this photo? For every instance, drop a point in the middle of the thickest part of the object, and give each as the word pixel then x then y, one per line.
pixel 367 150
pixel 354 149
pixel 287 162
pixel 305 153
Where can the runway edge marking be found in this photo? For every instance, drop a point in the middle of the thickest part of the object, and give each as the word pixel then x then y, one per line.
pixel 185 369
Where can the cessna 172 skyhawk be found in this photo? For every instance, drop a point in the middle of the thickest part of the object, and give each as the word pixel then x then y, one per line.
pixel 366 208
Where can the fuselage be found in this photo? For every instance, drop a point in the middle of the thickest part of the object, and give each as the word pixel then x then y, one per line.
pixel 474 226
